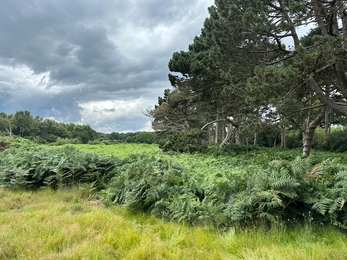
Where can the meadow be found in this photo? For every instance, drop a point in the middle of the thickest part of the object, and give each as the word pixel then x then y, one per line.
pixel 54 216
pixel 72 224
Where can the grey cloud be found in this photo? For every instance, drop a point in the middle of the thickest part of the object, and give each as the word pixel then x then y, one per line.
pixel 152 12
pixel 124 125
pixel 90 50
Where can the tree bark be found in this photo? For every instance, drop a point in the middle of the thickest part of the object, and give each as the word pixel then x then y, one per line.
pixel 223 131
pixel 309 133
pixel 227 137
pixel 343 15
pixel 238 135
pixel 292 28
pixel 327 126
pixel 283 137
pixel 320 14
pixel 210 138
pixel 9 129
pixel 217 129
pixel 275 140
pixel 326 100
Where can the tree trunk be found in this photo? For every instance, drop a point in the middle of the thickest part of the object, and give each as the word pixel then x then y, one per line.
pixel 283 137
pixel 320 13
pixel 217 129
pixel 8 129
pixel 326 100
pixel 309 133
pixel 223 131
pixel 238 137
pixel 327 126
pixel 275 140
pixel 210 137
pixel 255 141
pixel 227 137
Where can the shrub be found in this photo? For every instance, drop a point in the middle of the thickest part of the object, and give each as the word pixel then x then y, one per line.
pixel 294 139
pixel 338 141
pixel 100 141
pixel 4 144
pixel 37 139
pixel 62 141
pixel 189 141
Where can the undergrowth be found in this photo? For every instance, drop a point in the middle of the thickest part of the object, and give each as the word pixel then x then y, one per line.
pixel 250 189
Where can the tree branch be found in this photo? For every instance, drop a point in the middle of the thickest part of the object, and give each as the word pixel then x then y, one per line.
pixel 325 99
pixel 214 121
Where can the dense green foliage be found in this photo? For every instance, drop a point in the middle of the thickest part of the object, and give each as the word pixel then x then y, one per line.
pixel 251 78
pixel 131 137
pixel 26 166
pixel 44 131
pixel 291 191
pixel 194 140
pixel 239 187
pixel 187 141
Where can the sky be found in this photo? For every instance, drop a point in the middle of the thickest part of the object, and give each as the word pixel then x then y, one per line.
pixel 96 62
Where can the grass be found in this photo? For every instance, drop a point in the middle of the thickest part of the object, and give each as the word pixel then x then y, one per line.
pixel 210 165
pixel 120 150
pixel 73 224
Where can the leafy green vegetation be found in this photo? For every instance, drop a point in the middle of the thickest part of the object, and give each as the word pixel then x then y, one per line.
pixel 247 187
pixel 43 131
pixel 26 166
pixel 240 82
pixel 120 150
pixel 127 201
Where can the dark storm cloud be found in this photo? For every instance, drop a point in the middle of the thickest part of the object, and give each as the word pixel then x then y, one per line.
pixel 57 55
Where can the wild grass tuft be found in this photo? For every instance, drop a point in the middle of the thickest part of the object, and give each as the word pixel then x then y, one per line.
pixel 67 224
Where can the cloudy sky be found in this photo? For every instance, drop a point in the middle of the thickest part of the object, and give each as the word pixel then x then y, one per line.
pixel 96 62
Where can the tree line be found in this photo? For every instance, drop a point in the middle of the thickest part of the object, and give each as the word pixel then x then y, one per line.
pixel 250 74
pixel 23 124
pixel 41 130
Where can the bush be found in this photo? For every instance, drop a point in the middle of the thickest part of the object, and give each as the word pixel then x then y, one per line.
pixel 4 145
pixel 189 141
pixel 37 139
pixel 62 141
pixel 338 141
pixel 294 139
pixel 231 149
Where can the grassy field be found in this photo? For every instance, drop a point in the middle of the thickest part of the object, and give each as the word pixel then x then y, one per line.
pixel 71 223
pixel 120 150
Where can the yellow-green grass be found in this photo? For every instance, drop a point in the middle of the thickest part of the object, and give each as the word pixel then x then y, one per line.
pixel 72 224
pixel 120 150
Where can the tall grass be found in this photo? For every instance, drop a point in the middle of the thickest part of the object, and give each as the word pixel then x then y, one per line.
pixel 73 224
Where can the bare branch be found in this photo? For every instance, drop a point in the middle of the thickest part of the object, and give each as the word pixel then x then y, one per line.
pixel 278 61
pixel 325 99
pixel 212 122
